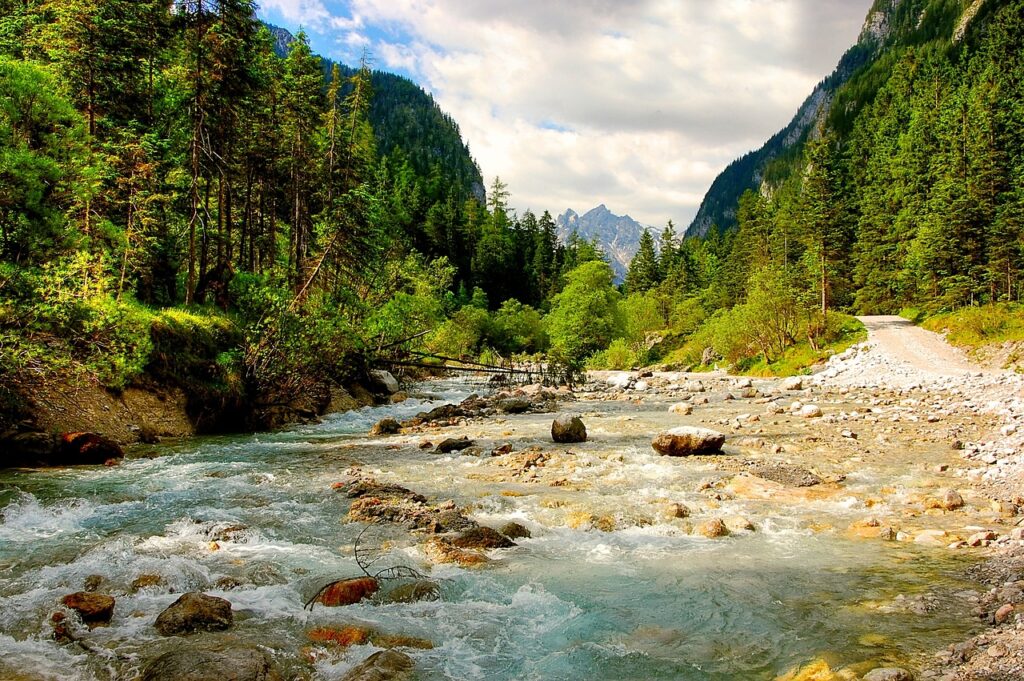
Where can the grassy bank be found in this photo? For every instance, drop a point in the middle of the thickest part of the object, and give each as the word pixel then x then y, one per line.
pixel 974 327
pixel 992 334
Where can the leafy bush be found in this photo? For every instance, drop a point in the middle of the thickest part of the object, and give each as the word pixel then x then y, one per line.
pixel 618 356
pixel 517 329
pixel 461 336
pixel 583 317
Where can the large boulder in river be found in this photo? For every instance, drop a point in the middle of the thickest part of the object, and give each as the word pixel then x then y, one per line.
pixel 388 426
pixel 482 538
pixel 453 444
pixel 383 382
pixel 191 663
pixel 194 611
pixel 26 448
pixel 347 591
pixel 568 428
pixel 94 609
pixel 387 665
pixel 86 449
pixel 688 441
pixel 515 405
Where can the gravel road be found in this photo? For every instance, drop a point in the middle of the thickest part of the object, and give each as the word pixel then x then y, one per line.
pixel 902 342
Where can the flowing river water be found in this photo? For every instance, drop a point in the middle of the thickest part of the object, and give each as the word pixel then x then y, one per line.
pixel 608 587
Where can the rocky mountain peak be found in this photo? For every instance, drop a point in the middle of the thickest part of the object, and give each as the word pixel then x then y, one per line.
pixel 618 235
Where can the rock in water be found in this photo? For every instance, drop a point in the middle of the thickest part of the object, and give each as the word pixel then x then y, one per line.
pixel 387 426
pixel 688 441
pixel 712 529
pixel 387 665
pixel 412 592
pixel 86 449
pixel 515 405
pixel 514 530
pixel 348 591
pixel 482 538
pixel 94 609
pixel 194 611
pixel 889 674
pixel 244 663
pixel 453 444
pixel 568 428
pixel 951 500
pixel 384 382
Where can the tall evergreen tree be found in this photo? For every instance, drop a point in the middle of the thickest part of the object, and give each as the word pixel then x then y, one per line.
pixel 644 272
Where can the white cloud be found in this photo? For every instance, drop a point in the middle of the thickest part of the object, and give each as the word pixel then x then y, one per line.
pixel 634 103
pixel 305 12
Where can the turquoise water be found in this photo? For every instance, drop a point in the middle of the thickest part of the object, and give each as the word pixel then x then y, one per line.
pixel 645 601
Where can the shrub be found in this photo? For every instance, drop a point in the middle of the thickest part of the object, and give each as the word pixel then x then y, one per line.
pixel 618 357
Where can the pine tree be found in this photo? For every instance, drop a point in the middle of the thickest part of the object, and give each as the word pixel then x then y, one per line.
pixel 823 231
pixel 644 272
pixel 668 248
pixel 300 113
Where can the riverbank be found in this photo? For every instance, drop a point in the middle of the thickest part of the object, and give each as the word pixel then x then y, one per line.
pixel 41 409
pixel 842 532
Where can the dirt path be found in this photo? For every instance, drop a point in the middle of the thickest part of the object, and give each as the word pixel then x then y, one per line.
pixel 902 342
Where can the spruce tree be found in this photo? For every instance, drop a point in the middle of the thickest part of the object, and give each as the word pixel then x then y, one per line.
pixel 644 272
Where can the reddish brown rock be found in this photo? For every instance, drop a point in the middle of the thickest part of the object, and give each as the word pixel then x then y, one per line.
pixel 94 609
pixel 86 449
pixel 348 591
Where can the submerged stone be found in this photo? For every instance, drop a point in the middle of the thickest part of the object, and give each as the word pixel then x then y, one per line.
pixel 194 611
pixel 241 663
pixel 386 665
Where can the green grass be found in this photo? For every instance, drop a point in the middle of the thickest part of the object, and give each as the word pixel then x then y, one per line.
pixel 798 359
pixel 914 315
pixel 973 327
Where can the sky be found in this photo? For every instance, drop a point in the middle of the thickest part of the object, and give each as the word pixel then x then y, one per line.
pixel 636 104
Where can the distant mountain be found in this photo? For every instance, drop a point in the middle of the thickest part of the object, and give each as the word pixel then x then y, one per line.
pixel 406 118
pixel 619 236
pixel 889 24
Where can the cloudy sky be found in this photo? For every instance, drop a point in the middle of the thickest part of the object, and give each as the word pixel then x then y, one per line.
pixel 637 104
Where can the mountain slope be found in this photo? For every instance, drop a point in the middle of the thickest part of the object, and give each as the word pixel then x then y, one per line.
pixel 889 25
pixel 406 118
pixel 619 236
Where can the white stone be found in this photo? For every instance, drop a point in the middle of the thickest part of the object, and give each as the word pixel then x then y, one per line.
pixel 810 411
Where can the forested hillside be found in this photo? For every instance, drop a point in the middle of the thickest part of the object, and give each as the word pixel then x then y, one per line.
pixel 907 193
pixel 911 192
pixel 182 203
pixel 407 122
pixel 179 203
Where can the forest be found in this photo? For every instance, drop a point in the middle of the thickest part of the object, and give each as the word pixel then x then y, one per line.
pixel 181 203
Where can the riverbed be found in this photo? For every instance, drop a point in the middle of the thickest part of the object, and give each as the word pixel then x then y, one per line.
pixel 611 584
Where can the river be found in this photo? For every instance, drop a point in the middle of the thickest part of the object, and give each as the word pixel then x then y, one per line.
pixel 253 519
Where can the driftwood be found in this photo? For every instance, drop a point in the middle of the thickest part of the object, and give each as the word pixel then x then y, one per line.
pixel 368 583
